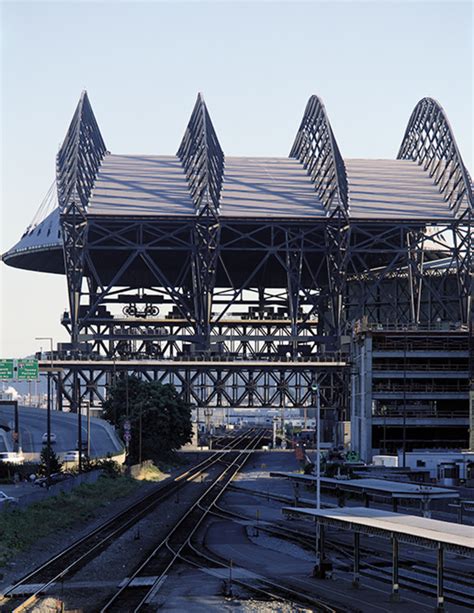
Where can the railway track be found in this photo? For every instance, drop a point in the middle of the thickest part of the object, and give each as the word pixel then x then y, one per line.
pixel 135 593
pixel 459 588
pixel 135 596
pixel 21 596
pixel 263 586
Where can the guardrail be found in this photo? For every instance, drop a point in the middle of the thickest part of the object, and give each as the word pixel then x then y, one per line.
pixel 39 493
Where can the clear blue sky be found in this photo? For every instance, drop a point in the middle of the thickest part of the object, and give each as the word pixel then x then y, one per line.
pixel 256 63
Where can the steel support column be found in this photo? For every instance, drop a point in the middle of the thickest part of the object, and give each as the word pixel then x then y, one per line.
pixel 77 164
pixel 203 163
pixel 395 596
pixel 294 262
pixel 440 579
pixel 315 147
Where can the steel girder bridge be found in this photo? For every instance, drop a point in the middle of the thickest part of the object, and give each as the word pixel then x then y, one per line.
pixel 239 279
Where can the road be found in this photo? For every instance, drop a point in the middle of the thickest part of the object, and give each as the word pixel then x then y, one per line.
pixel 64 425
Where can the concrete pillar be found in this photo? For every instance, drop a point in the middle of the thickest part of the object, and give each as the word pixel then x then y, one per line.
pixel 368 396
pixel 365 377
pixel 363 425
pixel 425 506
pixel 355 414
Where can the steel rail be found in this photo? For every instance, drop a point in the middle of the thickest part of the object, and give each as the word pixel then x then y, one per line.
pixel 164 542
pixel 453 595
pixel 130 517
pixel 306 539
pixel 298 597
pixel 273 529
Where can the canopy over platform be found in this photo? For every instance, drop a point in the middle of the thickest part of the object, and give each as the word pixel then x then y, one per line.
pixel 456 538
pixel 391 489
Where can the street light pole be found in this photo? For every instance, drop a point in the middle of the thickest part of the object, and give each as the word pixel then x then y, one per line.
pixel 318 449
pixel 48 410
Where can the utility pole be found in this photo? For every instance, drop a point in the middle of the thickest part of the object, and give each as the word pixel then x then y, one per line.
pixel 88 407
pixel 48 409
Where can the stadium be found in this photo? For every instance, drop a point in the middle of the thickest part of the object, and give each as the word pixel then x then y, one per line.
pixel 246 280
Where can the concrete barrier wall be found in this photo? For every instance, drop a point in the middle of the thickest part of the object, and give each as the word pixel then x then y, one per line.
pixel 40 493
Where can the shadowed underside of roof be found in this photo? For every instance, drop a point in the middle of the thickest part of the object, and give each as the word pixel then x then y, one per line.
pixel 41 248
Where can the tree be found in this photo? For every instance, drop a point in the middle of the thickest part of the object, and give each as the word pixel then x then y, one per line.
pixel 55 466
pixel 154 409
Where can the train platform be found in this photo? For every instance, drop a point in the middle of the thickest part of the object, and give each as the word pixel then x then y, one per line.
pixel 440 536
pixel 367 489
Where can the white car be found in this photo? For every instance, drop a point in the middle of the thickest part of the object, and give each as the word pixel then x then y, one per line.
pixel 5 499
pixel 52 438
pixel 72 456
pixel 12 456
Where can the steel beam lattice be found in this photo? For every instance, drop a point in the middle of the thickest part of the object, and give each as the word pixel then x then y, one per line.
pixel 203 163
pixel 316 148
pixel 209 289
pixel 77 164
pixel 429 141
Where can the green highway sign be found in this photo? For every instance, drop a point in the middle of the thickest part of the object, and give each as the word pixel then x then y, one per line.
pixel 27 370
pixel 6 369
pixel 19 370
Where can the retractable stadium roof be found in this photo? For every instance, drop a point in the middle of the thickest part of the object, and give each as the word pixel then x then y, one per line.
pixel 427 182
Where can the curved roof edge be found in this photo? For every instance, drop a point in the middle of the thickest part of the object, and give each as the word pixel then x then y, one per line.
pixel 429 140
pixel 316 149
pixel 39 249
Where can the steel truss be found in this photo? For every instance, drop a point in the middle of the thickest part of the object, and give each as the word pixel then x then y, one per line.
pixel 392 277
pixel 77 164
pixel 262 289
pixel 429 141
pixel 203 163
pixel 167 339
pixel 139 252
pixel 206 383
pixel 316 149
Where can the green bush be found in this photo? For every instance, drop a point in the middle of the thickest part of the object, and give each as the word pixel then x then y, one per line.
pixel 20 528
pixel 111 468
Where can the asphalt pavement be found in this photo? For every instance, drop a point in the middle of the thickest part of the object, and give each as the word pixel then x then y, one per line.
pixel 33 424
